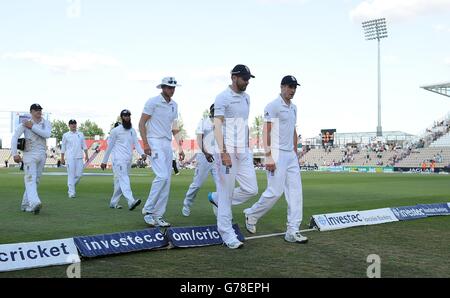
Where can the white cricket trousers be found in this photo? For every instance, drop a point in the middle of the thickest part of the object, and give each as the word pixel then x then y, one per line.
pixel 161 162
pixel 75 168
pixel 201 174
pixel 33 165
pixel 243 171
pixel 287 179
pixel 121 170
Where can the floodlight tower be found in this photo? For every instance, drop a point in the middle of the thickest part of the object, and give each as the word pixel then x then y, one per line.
pixel 376 29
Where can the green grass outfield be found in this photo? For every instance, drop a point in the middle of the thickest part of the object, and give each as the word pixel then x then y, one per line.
pixel 419 248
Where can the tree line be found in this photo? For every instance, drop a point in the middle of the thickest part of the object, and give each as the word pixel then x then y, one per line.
pixel 90 129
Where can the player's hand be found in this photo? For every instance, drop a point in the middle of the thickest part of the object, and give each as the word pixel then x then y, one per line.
pixel 181 155
pixel 209 157
pixel 144 157
pixel 226 159
pixel 147 149
pixel 63 161
pixel 86 158
pixel 103 166
pixel 28 124
pixel 270 164
pixel 17 158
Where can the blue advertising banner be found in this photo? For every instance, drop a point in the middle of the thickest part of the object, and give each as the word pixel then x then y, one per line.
pixel 198 236
pixel 108 244
pixel 435 209
pixel 408 212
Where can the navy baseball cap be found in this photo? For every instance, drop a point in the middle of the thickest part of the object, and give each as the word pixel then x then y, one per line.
pixel 36 107
pixel 242 71
pixel 72 121
pixel 125 113
pixel 289 80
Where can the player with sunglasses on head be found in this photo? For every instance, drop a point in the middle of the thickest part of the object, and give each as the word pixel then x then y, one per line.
pixel 159 121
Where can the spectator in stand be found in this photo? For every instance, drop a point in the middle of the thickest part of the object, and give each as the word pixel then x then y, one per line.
pixel 424 165
pixel 439 157
pixel 432 165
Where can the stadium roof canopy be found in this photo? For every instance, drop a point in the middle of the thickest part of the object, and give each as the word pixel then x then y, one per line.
pixel 369 137
pixel 443 89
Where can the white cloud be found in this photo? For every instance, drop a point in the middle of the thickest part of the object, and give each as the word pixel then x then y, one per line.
pixel 67 62
pixel 447 61
pixel 442 28
pixel 208 75
pixel 143 76
pixel 282 1
pixel 397 10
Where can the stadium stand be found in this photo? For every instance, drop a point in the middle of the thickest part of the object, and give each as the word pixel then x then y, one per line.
pixel 322 157
pixel 5 154
pixel 443 141
pixel 441 155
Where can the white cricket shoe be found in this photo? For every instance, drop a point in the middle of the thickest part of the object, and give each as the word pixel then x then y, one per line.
pixel 25 207
pixel 186 211
pixel 149 220
pixel 235 244
pixel 160 222
pixel 295 237
pixel 36 208
pixel 251 228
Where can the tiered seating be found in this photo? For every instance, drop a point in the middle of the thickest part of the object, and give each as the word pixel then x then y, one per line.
pixel 443 141
pixel 320 157
pixel 99 158
pixel 417 156
pixel 386 159
pixel 5 155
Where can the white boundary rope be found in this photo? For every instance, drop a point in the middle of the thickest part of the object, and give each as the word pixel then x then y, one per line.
pixel 277 234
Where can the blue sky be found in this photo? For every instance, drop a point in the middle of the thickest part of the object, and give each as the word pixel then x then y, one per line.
pixel 90 59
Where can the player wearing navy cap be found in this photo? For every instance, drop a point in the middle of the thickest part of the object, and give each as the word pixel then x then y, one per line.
pixel 283 170
pixel 36 131
pixel 72 146
pixel 234 157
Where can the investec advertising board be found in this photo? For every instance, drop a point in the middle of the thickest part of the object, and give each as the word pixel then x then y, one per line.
pixel 101 245
pixel 335 221
pixel 198 236
pixel 378 216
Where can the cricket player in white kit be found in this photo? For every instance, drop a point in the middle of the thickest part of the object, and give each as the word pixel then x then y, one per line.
pixel 205 165
pixel 159 120
pixel 121 141
pixel 234 160
pixel 36 131
pixel 283 170
pixel 72 146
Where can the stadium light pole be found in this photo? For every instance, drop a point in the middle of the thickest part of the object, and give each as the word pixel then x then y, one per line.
pixel 376 29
